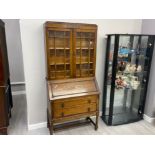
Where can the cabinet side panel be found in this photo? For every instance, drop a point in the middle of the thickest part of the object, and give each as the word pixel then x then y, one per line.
pixel 3 121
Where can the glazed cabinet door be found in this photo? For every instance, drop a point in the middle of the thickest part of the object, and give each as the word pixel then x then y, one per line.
pixel 59 53
pixel 84 52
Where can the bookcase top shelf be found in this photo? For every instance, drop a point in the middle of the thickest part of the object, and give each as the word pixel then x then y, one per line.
pixel 70 25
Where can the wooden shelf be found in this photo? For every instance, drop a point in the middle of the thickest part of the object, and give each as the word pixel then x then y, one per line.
pixel 84 63
pixel 61 37
pixel 88 69
pixel 84 48
pixel 58 48
pixel 84 37
pixel 59 71
pixel 52 64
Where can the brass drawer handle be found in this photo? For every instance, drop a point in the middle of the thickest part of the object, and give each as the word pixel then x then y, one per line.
pixel 62 105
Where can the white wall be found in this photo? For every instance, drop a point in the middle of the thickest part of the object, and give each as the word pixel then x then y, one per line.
pixel 148 27
pixel 14 49
pixel 34 59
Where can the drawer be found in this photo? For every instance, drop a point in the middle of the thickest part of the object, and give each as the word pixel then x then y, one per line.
pixel 64 112
pixel 79 110
pixel 75 102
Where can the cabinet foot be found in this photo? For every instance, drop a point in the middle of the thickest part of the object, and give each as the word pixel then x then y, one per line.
pixel 48 124
pixel 51 128
pixel 96 125
pixel 3 131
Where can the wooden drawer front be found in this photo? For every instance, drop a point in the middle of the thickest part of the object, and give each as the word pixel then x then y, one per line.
pixel 63 112
pixel 75 102
pixel 62 108
pixel 79 110
pixel 57 113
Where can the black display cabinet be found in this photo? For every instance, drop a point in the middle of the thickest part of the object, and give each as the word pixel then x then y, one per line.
pixel 127 69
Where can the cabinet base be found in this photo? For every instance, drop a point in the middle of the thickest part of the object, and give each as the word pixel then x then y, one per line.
pixel 72 124
pixel 3 131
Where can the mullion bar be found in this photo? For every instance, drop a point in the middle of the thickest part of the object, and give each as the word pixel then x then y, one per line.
pixel 64 56
pixel 112 92
pixel 131 47
pixel 55 54
pixel 131 42
pixel 80 53
pixel 139 49
pixel 89 40
pixel 105 78
pixel 93 55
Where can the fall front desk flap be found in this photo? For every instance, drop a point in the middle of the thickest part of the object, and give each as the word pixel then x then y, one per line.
pixel 72 88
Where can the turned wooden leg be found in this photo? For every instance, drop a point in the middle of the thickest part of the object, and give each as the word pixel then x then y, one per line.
pixel 96 126
pixel 48 124
pixel 87 118
pixel 97 114
pixel 51 128
pixel 10 115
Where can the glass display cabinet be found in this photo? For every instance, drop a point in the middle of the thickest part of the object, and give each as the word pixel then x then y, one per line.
pixel 127 68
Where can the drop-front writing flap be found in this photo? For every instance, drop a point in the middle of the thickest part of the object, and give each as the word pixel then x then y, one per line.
pixel 72 86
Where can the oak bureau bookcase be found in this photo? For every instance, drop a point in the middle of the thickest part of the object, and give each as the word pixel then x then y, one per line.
pixel 71 62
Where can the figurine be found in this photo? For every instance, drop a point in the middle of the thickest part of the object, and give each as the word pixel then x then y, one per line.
pixel 123 52
pixel 120 83
pixel 130 68
pixel 133 68
pixel 121 66
pixel 139 68
pixel 134 82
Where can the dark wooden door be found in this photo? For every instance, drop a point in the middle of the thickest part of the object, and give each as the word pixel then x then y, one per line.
pixel 3 107
pixel 4 67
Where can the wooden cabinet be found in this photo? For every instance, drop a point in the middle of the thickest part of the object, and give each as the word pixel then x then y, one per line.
pixel 5 88
pixel 72 99
pixel 70 50
pixel 72 87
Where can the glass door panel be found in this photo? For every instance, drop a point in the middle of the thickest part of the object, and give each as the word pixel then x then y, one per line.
pixel 85 53
pixel 59 43
pixel 129 78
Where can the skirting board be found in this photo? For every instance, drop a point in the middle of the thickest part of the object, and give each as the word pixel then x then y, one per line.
pixel 18 92
pixel 42 125
pixel 37 126
pixel 17 83
pixel 149 119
